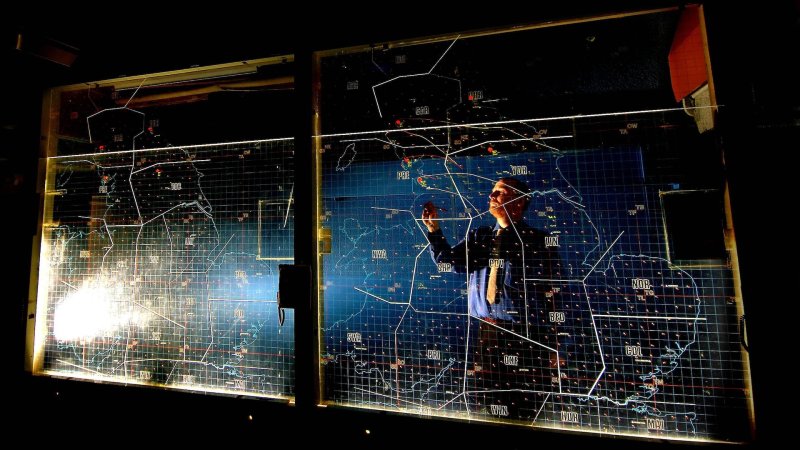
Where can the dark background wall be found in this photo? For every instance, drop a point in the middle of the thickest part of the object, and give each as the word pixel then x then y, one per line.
pixel 753 50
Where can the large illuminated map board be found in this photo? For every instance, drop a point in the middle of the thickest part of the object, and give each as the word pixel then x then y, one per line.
pixel 628 325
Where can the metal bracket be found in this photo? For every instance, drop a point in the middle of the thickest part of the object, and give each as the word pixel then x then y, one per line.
pixel 294 284
pixel 743 333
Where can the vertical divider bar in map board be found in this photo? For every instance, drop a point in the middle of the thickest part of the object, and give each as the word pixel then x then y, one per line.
pixel 319 243
pixel 306 330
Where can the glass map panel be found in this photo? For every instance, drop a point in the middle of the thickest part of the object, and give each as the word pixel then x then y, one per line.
pixel 164 225
pixel 590 324
pixel 153 272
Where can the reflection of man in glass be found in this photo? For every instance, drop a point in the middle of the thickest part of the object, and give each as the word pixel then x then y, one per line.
pixel 509 362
